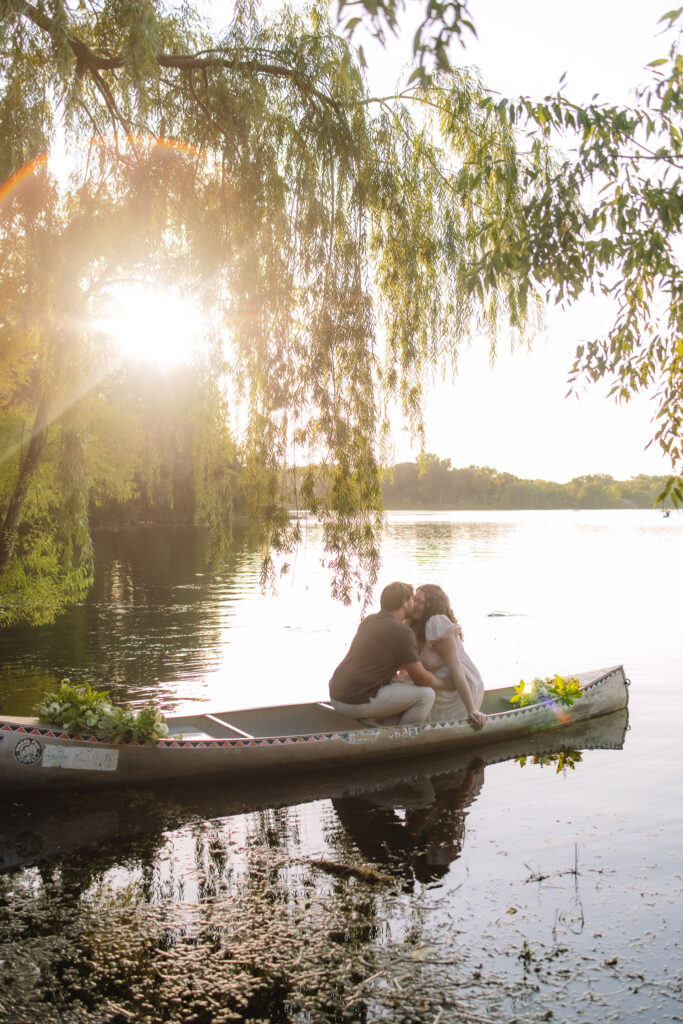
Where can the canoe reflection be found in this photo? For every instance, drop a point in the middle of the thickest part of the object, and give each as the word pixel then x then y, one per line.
pixel 412 810
pixel 416 828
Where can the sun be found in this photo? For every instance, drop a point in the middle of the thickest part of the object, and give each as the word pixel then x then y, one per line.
pixel 153 325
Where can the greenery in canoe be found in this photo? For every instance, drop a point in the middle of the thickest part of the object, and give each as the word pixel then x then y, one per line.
pixel 80 710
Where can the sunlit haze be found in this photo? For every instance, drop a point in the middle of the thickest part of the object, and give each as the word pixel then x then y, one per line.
pixel 513 416
pixel 152 325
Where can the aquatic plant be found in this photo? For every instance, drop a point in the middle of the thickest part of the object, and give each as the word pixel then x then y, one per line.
pixel 80 709
pixel 551 689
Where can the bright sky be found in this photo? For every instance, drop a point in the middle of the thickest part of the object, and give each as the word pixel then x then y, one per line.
pixel 514 416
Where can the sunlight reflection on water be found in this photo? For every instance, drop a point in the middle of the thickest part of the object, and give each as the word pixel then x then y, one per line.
pixel 536 592
pixel 520 892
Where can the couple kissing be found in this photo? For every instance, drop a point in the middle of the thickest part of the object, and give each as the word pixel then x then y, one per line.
pixel 407 663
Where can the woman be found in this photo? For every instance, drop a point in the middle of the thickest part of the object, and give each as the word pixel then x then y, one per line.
pixel 439 641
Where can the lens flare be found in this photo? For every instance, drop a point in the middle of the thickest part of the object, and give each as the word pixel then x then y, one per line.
pixel 142 319
pixel 136 142
pixel 115 142
pixel 20 176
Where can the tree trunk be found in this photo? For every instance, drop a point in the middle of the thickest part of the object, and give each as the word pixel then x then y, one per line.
pixel 28 465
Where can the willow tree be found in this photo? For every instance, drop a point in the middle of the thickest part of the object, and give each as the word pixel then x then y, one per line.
pixel 330 234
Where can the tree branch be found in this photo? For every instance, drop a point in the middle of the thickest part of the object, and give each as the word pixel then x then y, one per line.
pixel 183 62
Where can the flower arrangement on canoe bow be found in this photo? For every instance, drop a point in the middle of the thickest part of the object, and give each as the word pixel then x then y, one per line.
pixel 80 709
pixel 552 689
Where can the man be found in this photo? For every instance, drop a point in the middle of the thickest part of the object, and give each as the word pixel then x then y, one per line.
pixel 363 684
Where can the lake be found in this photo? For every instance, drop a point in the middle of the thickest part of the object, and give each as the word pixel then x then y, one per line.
pixel 517 889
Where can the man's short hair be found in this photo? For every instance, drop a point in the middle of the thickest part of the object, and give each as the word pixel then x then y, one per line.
pixel 394 596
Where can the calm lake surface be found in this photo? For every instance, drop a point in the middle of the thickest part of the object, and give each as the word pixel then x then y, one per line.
pixel 489 889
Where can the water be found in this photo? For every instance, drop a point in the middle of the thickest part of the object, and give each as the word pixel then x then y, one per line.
pixel 474 890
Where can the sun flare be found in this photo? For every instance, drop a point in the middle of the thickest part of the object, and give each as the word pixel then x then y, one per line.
pixel 153 325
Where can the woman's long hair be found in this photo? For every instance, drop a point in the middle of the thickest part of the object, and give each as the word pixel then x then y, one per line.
pixel 436 603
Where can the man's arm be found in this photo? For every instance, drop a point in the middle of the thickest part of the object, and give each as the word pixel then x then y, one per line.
pixel 421 677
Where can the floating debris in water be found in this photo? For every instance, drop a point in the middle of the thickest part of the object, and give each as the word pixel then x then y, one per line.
pixel 508 615
pixel 361 871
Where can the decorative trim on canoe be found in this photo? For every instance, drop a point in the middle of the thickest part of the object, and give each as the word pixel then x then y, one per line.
pixel 353 736
pixel 52 734
pixel 267 741
pixel 213 744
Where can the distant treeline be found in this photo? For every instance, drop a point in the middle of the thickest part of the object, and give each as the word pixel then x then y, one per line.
pixel 170 496
pixel 437 485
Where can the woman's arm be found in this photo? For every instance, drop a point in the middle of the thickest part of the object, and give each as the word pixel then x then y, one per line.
pixel 447 649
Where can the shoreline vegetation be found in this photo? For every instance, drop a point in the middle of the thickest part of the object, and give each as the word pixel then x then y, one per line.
pixel 438 485
pixel 408 486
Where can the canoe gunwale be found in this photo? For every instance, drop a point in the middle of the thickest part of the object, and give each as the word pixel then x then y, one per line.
pixel 528 711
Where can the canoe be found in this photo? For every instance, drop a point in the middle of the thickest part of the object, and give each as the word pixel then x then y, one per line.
pixel 36 756
pixel 39 830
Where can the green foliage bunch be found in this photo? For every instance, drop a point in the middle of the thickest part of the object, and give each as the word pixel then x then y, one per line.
pixel 80 710
pixel 555 689
pixel 442 21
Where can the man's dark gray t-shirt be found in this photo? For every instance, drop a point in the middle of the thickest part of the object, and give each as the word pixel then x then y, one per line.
pixel 381 645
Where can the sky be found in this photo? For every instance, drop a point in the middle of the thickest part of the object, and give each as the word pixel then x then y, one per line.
pixel 515 416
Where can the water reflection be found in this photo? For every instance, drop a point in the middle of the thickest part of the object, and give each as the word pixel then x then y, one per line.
pixel 159 625
pixel 155 613
pixel 439 540
pixel 396 810
pixel 216 904
pixel 209 905
pixel 418 829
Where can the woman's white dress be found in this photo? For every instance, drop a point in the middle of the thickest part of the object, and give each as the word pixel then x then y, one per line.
pixel 448 705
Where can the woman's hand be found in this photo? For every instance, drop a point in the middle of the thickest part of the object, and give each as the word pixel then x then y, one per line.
pixel 477 719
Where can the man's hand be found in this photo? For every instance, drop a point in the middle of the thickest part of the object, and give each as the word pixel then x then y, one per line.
pixel 421 677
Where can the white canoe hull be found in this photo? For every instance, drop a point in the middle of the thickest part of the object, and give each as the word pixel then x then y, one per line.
pixel 37 757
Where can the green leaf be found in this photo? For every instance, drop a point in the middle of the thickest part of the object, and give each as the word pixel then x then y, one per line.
pixel 671 16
